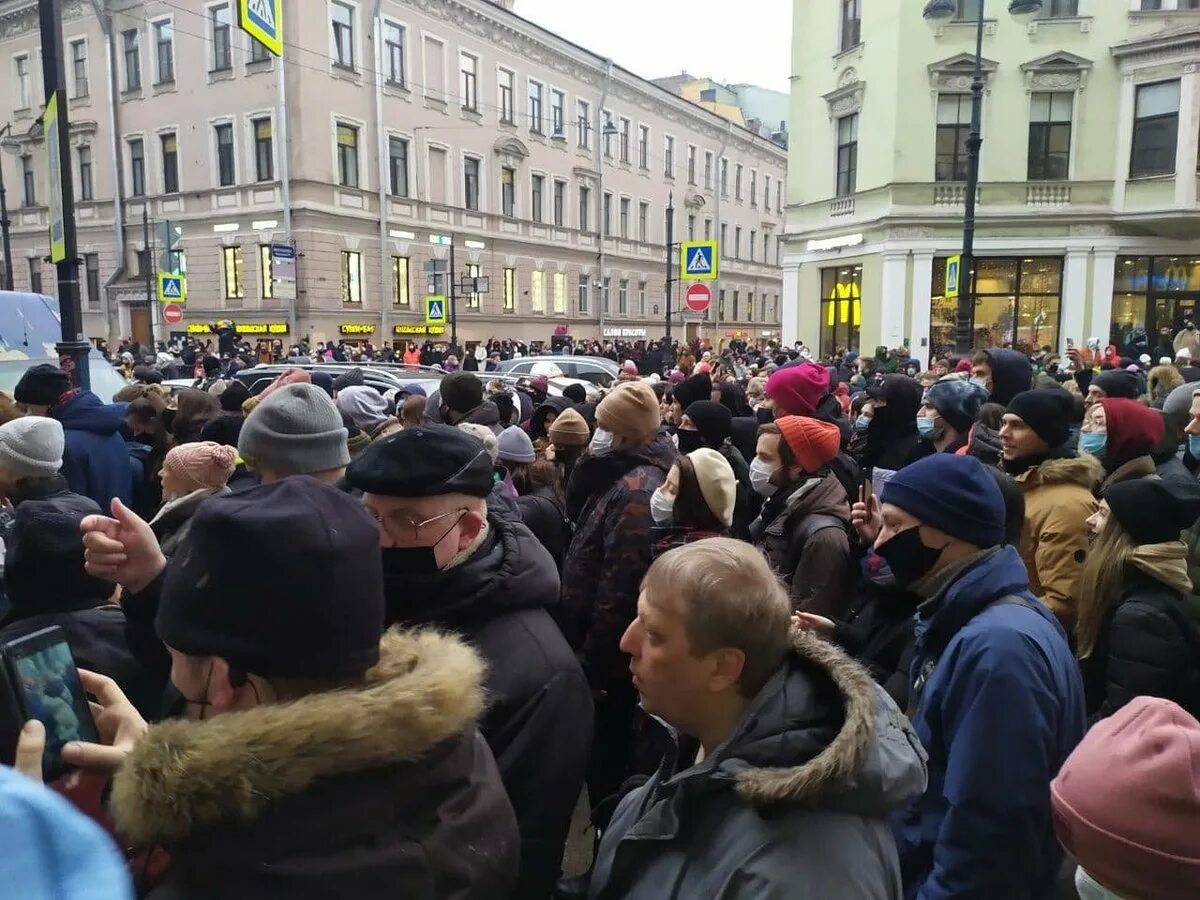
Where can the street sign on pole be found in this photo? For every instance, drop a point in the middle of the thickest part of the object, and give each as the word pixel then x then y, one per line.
pixel 58 244
pixel 698 297
pixel 435 310
pixel 698 261
pixel 172 313
pixel 263 21
pixel 953 264
pixel 283 271
pixel 172 288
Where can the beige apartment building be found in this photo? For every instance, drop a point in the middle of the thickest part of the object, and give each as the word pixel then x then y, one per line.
pixel 1088 211
pixel 407 125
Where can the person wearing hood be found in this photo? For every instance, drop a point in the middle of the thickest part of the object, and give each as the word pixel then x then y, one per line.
pixel 539 499
pixel 948 412
pixel 802 529
pixel 893 440
pixel 1003 373
pixel 190 474
pixel 1138 627
pixel 368 410
pixel 452 563
pixel 709 424
pixel 1115 383
pixel 459 398
pixel 1188 338
pixel 544 415
pixel 695 502
pixel 608 498
pixel 1122 434
pixel 802 756
pixel 539 389
pixel 691 390
pixel 1058 486
pixel 993 679
pixel 1160 382
pixel 95 459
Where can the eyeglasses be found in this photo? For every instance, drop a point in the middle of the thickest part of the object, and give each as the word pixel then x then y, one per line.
pixel 405 522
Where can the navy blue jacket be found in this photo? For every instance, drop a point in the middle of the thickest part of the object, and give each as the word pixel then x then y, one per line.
pixel 96 460
pixel 1000 708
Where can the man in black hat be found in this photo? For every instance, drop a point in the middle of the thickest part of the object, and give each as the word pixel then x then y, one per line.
pixel 459 398
pixel 450 563
pixel 320 757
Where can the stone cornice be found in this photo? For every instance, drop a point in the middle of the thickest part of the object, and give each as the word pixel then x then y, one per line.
pixel 1161 46
pixel 20 17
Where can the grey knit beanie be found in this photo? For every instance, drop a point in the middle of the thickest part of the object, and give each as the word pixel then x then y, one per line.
pixel 32 447
pixel 515 446
pixel 296 431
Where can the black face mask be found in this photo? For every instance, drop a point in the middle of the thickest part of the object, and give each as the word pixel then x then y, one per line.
pixel 403 562
pixel 908 557
pixel 764 416
pixel 689 440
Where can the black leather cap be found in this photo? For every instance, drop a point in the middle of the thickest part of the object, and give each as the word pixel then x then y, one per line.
pixel 427 461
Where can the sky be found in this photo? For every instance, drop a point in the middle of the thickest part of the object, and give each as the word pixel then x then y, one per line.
pixel 656 38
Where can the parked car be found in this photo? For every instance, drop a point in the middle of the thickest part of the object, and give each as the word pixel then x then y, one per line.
pixel 595 370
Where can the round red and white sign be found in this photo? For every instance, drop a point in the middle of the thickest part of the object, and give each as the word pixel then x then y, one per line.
pixel 698 297
pixel 172 313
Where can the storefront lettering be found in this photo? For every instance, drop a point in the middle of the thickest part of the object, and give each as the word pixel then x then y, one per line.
pixel 244 328
pixel 356 328
pixel 418 329
pixel 624 332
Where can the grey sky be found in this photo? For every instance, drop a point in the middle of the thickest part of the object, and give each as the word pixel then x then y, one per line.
pixel 730 42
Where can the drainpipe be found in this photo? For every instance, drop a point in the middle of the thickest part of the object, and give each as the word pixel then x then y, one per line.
pixel 285 193
pixel 108 309
pixel 717 219
pixel 600 124
pixel 382 151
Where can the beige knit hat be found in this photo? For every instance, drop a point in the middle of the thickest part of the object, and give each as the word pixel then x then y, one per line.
pixel 717 482
pixel 631 411
pixel 570 429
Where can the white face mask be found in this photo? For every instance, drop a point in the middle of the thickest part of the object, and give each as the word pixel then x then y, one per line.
pixel 1089 889
pixel 601 442
pixel 760 478
pixel 662 508
pixel 982 382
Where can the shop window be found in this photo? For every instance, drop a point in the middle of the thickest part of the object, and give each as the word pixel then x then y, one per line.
pixel 1153 295
pixel 400 292
pixel 351 276
pixel 841 309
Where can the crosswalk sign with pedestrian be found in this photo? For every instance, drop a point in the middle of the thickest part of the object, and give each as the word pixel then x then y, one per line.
pixel 698 260
pixel 171 288
pixel 435 310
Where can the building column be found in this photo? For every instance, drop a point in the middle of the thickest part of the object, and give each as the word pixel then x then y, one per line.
pixel 1103 272
pixel 1124 142
pixel 918 325
pixel 1189 139
pixel 891 308
pixel 1074 300
pixel 789 308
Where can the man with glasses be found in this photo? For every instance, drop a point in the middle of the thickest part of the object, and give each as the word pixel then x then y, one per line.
pixel 451 562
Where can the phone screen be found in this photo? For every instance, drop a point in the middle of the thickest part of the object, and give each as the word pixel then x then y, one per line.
pixel 50 690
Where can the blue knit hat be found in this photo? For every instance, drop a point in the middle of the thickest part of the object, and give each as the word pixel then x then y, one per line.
pixel 958 401
pixel 952 493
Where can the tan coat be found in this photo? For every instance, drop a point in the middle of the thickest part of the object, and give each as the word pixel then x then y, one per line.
pixel 1058 503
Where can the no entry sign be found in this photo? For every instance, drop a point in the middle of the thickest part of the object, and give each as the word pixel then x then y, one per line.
pixel 698 297
pixel 172 313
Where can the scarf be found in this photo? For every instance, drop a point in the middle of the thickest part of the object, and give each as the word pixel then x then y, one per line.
pixel 1164 562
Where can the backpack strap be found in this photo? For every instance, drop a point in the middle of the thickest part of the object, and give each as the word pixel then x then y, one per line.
pixel 808 527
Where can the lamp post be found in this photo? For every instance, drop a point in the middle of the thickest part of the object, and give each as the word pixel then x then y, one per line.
pixel 940 10
pixel 7 284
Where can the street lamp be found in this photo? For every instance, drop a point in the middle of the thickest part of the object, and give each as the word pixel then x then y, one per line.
pixel 940 10
pixel 6 143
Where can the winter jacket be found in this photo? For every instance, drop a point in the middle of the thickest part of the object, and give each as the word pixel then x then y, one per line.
pixel 998 705
pixel 816 564
pixel 383 790
pixel 746 502
pixel 538 720
pixel 95 459
pixel 1188 338
pixel 1058 501
pixel 1138 467
pixel 174 520
pixel 665 539
pixel 544 515
pixel 893 441
pixel 793 805
pixel 1143 648
pixel 608 499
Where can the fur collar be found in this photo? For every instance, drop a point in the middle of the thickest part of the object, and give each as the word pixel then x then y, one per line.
pixel 1083 470
pixel 186 775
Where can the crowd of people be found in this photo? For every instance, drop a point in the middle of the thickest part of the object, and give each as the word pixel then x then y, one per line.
pixel 840 628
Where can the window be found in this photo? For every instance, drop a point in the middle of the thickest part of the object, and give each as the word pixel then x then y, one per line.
pixel 170 162
pixel 343 35
pixel 691 226
pixel 468 81
pixel 691 163
pixel 557 123
pixel 720 306
pixel 1155 129
pixel 1151 5
pixel 624 217
pixel 841 309
pixel 953 129
pixel 505 87
pixel 1050 136
pixel 79 67
pixel 266 285
pixel 737 182
pixel 847 155
pixel 753 243
pixel 258 53
pixel 226 174
pixel 779 196
pixel 750 307
pixel 510 290
pixel 393 54
pixel 737 242
pixel 471 183
pixel 625 127
pixel 607 215
pixel 472 300
pixel 85 173
pixel 754 187
pixel 398 166
pixel 351 276
pixel 1067 9
pixel 724 248
pixel 535 106
pixel 234 267
pixel 643 221
pixel 583 114
pixel 607 133
pixel 708 170
pixel 401 295
pixel 560 293
pixel 766 191
pixel 641 298
pixel 1017 303
pixel 643 147
pixel 91 265
pixel 766 246
pixel 604 293
pixel 164 51
pixel 439 190
pixel 537 291
pixel 264 156
pixel 222 58
pixel 724 177
pixel 669 156
pixel 137 168
pixel 508 200
pixel 623 297
pixel 851 30
pixel 583 294
pixel 347 155
pixel 35 275
pixel 560 202
pixel 537 187
pixel 133 60
pixel 585 203
pixel 708 229
pixel 968 10
pixel 27 181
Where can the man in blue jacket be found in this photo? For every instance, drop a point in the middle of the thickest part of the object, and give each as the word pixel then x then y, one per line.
pixel 997 698
pixel 95 461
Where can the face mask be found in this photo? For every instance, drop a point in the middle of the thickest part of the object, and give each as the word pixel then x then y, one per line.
pixel 1193 445
pixel 601 442
pixel 764 416
pixel 981 382
pixel 862 423
pixel 927 427
pixel 400 563
pixel 1089 889
pixel 1092 442
pixel 760 478
pixel 908 557
pixel 688 441
pixel 662 507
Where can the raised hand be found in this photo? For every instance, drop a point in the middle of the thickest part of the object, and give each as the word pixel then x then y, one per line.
pixel 122 548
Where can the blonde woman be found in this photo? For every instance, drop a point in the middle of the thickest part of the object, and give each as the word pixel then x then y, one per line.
pixel 1138 630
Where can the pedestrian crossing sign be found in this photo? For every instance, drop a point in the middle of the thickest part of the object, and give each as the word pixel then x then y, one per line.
pixel 172 288
pixel 953 267
pixel 698 260
pixel 263 21
pixel 435 309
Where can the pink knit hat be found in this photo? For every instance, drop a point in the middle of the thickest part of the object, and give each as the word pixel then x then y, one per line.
pixel 797 390
pixel 1127 800
pixel 201 465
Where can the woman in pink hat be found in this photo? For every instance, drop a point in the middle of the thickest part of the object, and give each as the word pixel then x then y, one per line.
pixel 191 473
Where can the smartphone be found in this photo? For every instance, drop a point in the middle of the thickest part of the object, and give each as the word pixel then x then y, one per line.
pixel 43 684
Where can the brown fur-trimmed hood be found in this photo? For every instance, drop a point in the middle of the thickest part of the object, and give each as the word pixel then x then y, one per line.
pixel 872 764
pixel 185 775
pixel 1083 470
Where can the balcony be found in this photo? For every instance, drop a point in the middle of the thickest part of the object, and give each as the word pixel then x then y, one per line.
pixel 842 206
pixel 1047 194
pixel 951 194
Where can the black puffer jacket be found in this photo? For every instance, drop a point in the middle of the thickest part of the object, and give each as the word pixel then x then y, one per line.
pixel 893 441
pixel 544 514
